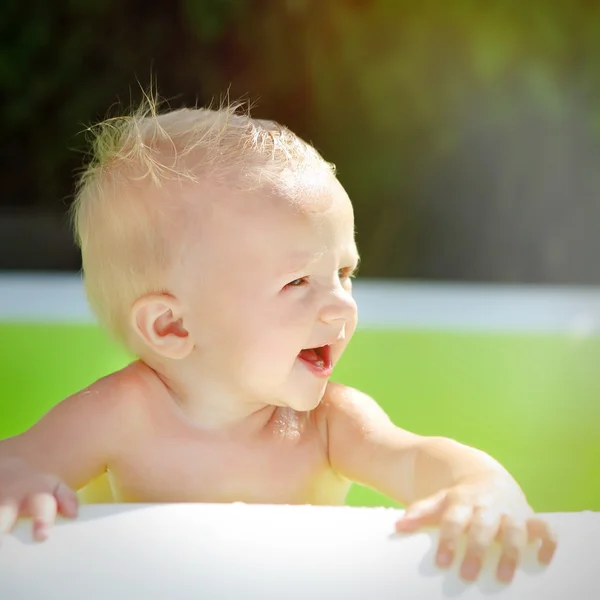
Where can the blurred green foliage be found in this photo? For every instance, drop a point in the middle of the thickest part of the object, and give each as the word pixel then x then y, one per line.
pixel 383 88
pixel 529 400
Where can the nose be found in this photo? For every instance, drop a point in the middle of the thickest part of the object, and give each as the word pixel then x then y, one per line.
pixel 339 306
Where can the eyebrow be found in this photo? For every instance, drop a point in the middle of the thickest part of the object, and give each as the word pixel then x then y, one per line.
pixel 298 261
pixel 302 260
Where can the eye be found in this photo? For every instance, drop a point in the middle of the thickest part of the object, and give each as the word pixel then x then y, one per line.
pixel 347 273
pixel 297 282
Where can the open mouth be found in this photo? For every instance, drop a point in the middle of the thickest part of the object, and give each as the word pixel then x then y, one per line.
pixel 318 359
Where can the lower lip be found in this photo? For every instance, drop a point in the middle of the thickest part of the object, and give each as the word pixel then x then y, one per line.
pixel 322 372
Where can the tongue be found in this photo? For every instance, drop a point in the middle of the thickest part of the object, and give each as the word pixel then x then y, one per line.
pixel 310 355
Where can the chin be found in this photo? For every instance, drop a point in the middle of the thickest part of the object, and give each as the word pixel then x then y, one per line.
pixel 308 401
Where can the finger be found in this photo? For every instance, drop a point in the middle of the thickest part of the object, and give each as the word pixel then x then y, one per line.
pixel 66 500
pixel 454 522
pixel 483 530
pixel 539 530
pixel 42 508
pixel 424 512
pixel 513 538
pixel 9 513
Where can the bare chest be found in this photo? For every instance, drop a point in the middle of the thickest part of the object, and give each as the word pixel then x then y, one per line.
pixel 181 466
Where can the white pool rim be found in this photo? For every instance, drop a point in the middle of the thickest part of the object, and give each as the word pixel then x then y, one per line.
pixel 236 551
pixel 388 304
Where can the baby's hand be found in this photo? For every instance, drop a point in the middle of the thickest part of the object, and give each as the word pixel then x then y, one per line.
pixel 25 492
pixel 486 510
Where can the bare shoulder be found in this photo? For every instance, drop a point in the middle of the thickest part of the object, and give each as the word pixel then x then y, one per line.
pixel 79 437
pixel 346 413
pixel 342 402
pixel 362 441
pixel 100 411
pixel 116 395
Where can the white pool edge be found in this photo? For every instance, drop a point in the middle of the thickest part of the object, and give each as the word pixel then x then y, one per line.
pixel 60 298
pixel 234 551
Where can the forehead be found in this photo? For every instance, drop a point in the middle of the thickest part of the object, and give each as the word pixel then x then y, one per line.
pixel 284 227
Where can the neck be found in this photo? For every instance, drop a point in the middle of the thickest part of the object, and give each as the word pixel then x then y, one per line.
pixel 211 405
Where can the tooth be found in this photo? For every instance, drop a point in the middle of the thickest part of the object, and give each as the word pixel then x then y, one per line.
pixel 320 364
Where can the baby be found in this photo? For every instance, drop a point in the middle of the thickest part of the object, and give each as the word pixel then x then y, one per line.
pixel 220 251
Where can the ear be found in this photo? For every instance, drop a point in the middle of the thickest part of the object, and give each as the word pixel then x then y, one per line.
pixel 157 320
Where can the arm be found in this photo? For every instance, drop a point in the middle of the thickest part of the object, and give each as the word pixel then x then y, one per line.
pixel 366 447
pixel 461 489
pixel 77 438
pixel 69 446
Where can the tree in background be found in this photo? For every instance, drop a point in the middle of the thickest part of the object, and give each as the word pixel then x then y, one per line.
pixel 466 133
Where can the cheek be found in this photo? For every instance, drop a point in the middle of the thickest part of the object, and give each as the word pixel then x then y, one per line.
pixel 274 337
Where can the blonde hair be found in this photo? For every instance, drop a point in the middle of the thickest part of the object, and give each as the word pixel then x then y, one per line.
pixel 124 206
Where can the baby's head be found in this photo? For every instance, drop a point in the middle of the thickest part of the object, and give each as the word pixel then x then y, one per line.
pixel 217 239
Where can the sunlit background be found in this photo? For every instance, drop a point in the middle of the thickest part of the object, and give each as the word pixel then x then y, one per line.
pixel 467 134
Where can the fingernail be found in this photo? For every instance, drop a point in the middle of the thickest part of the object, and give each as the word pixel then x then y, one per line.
pixel 41 530
pixel 545 557
pixel 405 523
pixel 505 572
pixel 444 558
pixel 469 569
